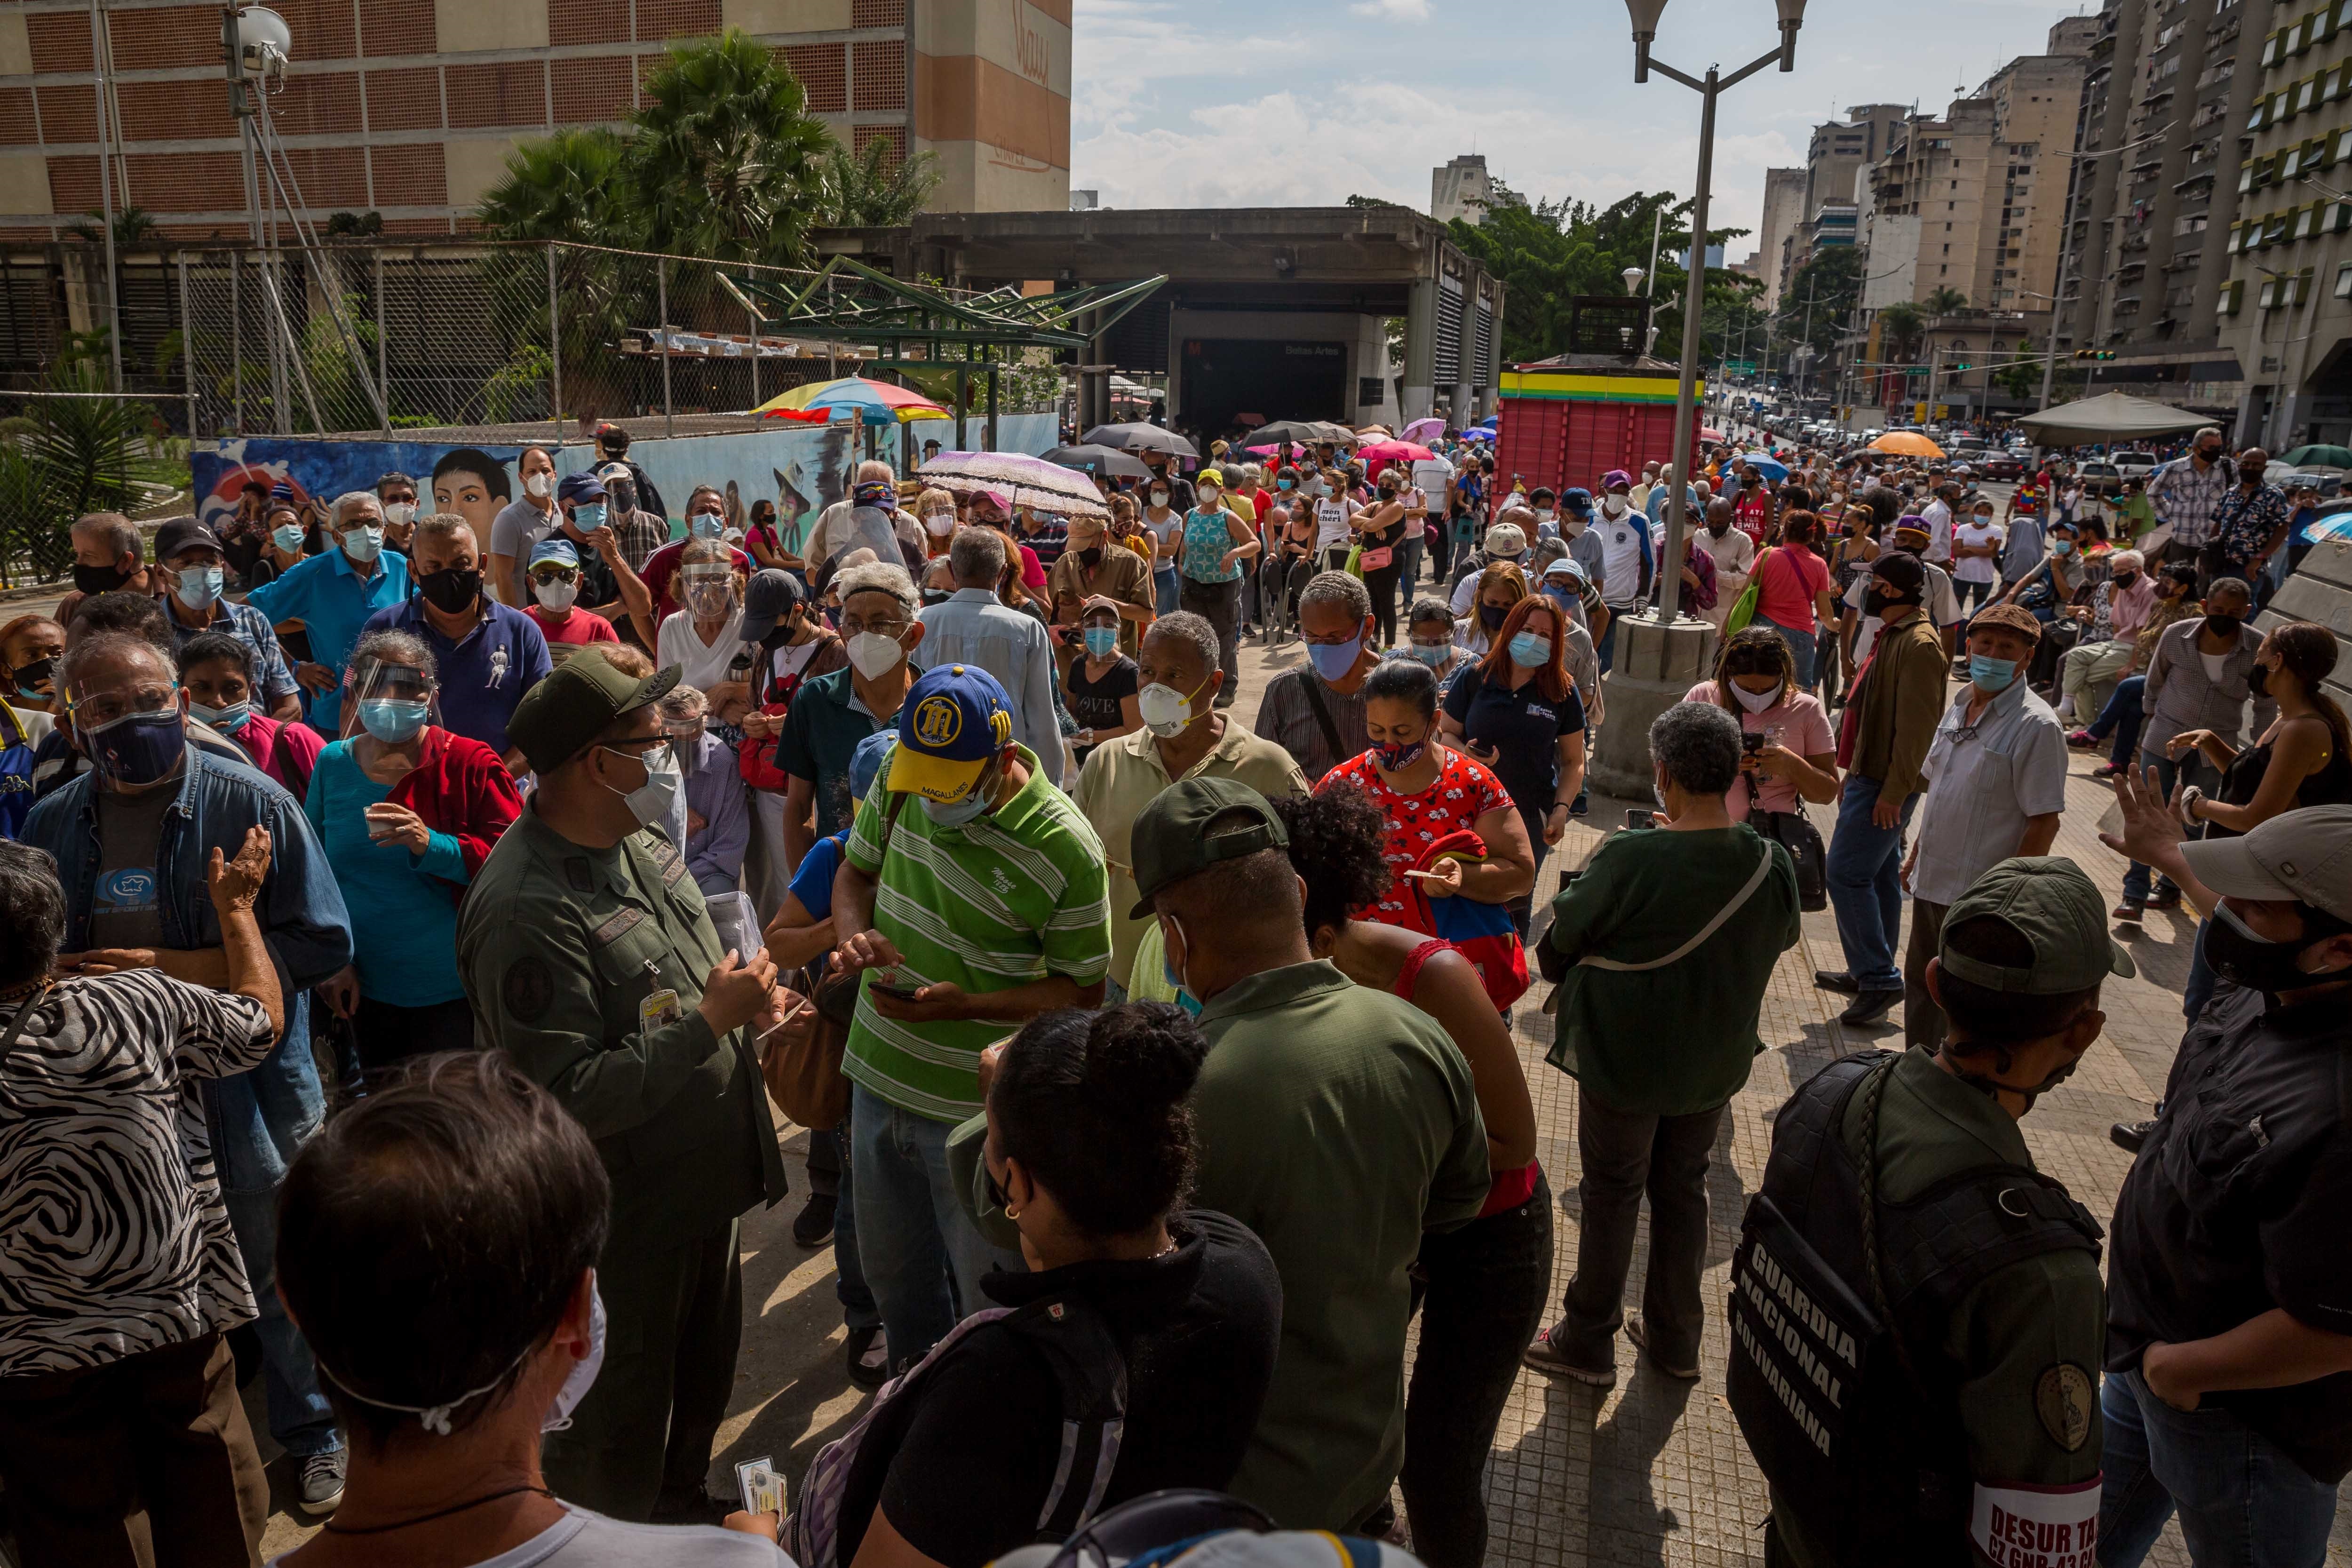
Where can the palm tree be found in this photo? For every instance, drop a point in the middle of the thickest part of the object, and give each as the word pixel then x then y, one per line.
pixel 1945 300
pixel 568 188
pixel 724 162
pixel 133 227
pixel 1902 327
pixel 868 189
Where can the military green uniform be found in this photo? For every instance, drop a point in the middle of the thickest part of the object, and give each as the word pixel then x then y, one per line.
pixel 2026 1342
pixel 586 966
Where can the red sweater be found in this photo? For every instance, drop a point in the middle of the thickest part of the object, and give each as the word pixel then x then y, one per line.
pixel 460 787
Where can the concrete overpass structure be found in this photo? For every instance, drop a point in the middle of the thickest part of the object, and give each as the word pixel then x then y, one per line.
pixel 1278 312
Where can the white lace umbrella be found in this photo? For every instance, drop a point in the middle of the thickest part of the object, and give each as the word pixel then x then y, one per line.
pixel 1030 481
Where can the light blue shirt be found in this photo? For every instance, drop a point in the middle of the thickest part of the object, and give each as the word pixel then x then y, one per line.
pixel 403 906
pixel 332 601
pixel 971 627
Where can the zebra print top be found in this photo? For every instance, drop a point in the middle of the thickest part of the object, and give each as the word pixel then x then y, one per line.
pixel 113 1236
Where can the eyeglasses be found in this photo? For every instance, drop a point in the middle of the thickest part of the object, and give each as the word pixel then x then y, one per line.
pixel 554 574
pixel 851 626
pixel 103 708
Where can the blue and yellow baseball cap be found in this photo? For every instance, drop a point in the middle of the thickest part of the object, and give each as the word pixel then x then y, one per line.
pixel 955 718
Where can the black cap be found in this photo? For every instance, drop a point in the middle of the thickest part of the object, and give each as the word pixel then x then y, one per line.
pixel 1171 841
pixel 768 598
pixel 572 707
pixel 180 534
pixel 1906 574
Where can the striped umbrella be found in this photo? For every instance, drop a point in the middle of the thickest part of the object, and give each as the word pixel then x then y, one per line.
pixel 1030 482
pixel 877 401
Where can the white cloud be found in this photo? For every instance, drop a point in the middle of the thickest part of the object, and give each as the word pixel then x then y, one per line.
pixel 1394 10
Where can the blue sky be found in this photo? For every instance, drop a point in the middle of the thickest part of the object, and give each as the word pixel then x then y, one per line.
pixel 1302 102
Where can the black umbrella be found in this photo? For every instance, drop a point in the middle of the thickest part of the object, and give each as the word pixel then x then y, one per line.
pixel 1140 437
pixel 1300 433
pixel 1104 462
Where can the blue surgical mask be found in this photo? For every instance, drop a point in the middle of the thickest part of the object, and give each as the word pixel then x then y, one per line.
pixel 288 538
pixel 1529 651
pixel 1334 660
pixel 362 544
pixel 200 586
pixel 1282 484
pixel 2062 547
pixel 1102 640
pixel 956 812
pixel 393 720
pixel 588 515
pixel 707 525
pixel 230 718
pixel 1184 998
pixel 1433 654
pixel 1991 674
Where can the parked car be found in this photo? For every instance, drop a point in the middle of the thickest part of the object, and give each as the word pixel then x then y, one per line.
pixel 2001 466
pixel 2100 479
pixel 2133 464
pixel 2328 483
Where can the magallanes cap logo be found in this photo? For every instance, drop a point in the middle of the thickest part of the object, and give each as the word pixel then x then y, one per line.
pixel 937 721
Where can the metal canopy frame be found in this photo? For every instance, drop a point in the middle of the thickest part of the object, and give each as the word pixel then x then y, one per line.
pixel 848 301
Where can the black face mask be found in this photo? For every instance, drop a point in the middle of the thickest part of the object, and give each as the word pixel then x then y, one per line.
pixel 1090 557
pixel 451 589
pixel 98 579
pixel 2258 681
pixel 2237 955
pixel 1491 616
pixel 2125 579
pixel 2250 474
pixel 37 673
pixel 2223 626
pixel 1875 602
pixel 780 634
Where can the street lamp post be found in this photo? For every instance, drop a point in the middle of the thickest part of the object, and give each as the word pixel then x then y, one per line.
pixel 1659 654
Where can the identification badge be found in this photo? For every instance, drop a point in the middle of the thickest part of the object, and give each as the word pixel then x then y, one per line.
pixel 659 1007
pixel 762 1488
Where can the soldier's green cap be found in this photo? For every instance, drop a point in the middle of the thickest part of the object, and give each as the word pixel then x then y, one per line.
pixel 2048 900
pixel 1170 838
pixel 575 704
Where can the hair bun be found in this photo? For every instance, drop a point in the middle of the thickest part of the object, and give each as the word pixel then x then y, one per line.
pixel 1143 1057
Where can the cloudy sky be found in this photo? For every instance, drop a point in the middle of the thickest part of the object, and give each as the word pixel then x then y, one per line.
pixel 1304 102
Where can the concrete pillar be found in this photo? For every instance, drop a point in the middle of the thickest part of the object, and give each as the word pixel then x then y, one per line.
pixel 1419 352
pixel 1654 667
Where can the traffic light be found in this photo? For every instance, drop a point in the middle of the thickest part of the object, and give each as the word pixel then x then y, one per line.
pixel 1961 367
pixel 2095 353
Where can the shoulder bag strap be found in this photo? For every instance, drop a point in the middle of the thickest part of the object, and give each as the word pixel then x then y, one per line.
pixel 19 1019
pixel 1322 716
pixel 1739 900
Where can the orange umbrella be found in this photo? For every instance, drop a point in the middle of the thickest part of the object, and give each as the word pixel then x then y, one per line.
pixel 1906 444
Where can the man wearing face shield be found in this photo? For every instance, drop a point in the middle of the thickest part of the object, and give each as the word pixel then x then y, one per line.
pixel 591 960
pixel 491 655
pixel 706 523
pixel 194 569
pixel 333 596
pixel 973 907
pixel 1185 735
pixel 613 444
pixel 1949 1291
pixel 2228 1344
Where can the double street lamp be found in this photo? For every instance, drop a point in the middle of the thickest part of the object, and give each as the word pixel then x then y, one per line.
pixel 1658 656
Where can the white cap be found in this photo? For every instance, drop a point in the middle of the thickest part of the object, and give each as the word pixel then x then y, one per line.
pixel 2300 856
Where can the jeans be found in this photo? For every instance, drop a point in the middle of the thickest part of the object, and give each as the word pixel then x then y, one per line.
pixel 1164 588
pixel 2136 875
pixel 2242 1502
pixel 829 1173
pixel 923 1255
pixel 2121 717
pixel 1627 1154
pixel 1800 648
pixel 1483 1300
pixel 1607 646
pixel 1220 605
pixel 299 1415
pixel 1864 871
pixel 1409 555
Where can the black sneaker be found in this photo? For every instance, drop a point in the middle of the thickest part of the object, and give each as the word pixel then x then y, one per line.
pixel 1836 980
pixel 1869 1007
pixel 1544 1356
pixel 812 1226
pixel 2131 1135
pixel 869 1357
pixel 1637 1331
pixel 319 1488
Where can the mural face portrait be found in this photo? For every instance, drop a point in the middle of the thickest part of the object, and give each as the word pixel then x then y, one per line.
pixel 473 485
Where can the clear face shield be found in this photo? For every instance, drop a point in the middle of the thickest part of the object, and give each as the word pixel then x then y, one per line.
pixel 390 701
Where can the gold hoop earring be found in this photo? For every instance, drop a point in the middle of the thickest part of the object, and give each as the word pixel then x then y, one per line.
pixel 1012 1213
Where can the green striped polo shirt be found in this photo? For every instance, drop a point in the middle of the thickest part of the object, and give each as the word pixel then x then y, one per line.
pixel 1005 900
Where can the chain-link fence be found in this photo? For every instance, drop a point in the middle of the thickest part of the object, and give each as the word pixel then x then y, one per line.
pixel 477 340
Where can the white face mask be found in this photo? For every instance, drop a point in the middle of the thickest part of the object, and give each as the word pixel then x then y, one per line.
pixel 538 486
pixel 1164 710
pixel 938 524
pixel 1613 504
pixel 399 513
pixel 873 656
pixel 1159 498
pixel 555 596
pixel 1754 701
pixel 583 1373
pixel 649 803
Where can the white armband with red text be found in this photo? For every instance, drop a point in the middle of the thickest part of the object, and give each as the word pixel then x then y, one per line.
pixel 2021 1526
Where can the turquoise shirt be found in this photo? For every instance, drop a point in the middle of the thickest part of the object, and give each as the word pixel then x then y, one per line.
pixel 404 904
pixel 332 601
pixel 1207 536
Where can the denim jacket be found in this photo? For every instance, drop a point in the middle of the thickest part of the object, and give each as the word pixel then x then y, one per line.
pixel 259 1119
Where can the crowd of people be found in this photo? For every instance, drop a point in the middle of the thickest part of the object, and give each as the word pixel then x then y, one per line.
pixel 440 925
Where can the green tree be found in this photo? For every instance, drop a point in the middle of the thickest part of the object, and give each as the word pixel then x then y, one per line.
pixel 865 189
pixel 75 457
pixel 1832 282
pixel 133 227
pixel 567 188
pixel 1945 300
pixel 1902 330
pixel 724 158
